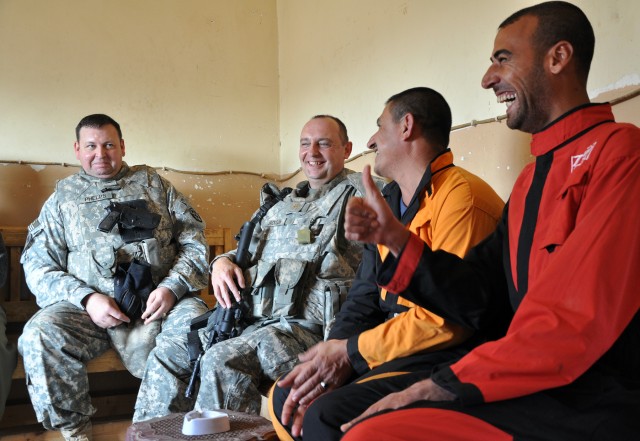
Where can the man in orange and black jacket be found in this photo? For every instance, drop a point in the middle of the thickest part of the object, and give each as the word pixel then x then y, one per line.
pixel 378 332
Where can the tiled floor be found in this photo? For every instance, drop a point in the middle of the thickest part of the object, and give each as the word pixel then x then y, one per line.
pixel 107 431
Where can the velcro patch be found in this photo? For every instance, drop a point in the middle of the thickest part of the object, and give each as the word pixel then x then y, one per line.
pixel 195 214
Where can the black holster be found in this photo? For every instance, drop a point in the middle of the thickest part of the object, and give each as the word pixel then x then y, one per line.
pixel 132 286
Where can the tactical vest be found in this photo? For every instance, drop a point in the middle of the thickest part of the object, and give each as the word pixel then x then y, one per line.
pixel 299 273
pixel 93 255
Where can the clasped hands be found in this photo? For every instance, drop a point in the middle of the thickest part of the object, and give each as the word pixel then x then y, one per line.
pixel 104 311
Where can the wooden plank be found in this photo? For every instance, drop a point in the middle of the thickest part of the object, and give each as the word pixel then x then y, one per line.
pixel 214 236
pixel 20 312
pixel 14 236
pixel 113 430
pixel 114 406
pixel 15 277
pixel 107 362
pixel 20 305
pixel 229 241
pixel 18 415
pixel 18 373
pixel 15 290
pixel 19 308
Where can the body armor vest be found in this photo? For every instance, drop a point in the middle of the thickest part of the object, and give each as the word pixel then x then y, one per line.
pixel 93 255
pixel 298 272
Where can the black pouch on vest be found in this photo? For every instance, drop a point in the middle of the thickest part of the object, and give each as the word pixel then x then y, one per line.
pixel 132 284
pixel 136 222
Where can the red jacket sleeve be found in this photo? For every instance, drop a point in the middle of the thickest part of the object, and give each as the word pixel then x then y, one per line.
pixel 577 307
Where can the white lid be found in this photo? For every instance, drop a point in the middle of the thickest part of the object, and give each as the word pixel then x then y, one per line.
pixel 205 422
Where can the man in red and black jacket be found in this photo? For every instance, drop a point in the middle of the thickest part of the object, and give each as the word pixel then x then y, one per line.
pixel 567 252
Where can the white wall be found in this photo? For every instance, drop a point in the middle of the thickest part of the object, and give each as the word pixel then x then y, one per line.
pixel 193 83
pixel 214 85
pixel 346 57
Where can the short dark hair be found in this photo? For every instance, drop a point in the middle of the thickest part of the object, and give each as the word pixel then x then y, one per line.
pixel 557 21
pixel 342 129
pixel 429 109
pixel 96 121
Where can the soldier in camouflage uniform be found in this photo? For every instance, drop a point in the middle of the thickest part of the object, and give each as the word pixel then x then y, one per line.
pixel 72 268
pixel 301 267
pixel 8 355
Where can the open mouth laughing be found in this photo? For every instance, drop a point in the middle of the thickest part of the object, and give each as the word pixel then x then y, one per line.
pixel 507 98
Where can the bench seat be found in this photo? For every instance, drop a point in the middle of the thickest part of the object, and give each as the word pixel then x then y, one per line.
pixel 107 369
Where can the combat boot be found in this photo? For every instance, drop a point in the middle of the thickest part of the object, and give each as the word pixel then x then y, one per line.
pixel 82 433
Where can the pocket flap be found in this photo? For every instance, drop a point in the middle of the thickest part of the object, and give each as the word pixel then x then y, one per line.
pixel 562 221
pixel 289 272
pixel 262 271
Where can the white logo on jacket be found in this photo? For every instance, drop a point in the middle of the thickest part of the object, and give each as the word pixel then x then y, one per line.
pixel 578 160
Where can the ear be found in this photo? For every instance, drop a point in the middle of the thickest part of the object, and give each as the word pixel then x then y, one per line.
pixel 347 149
pixel 559 56
pixel 76 149
pixel 122 145
pixel 407 126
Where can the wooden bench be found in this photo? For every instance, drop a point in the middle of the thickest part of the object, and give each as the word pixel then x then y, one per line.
pixel 19 305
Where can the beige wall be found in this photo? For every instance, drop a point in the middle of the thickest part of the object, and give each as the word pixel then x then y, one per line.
pixel 193 83
pixel 495 152
pixel 348 57
pixel 208 86
pixel 222 200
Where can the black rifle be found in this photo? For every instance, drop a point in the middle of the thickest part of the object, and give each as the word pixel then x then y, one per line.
pixel 224 323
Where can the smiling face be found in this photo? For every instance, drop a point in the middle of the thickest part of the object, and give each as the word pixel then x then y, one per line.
pixel 518 78
pixel 385 142
pixel 322 151
pixel 100 151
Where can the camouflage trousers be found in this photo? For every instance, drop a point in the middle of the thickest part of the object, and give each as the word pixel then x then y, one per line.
pixel 232 372
pixel 59 340
pixel 8 360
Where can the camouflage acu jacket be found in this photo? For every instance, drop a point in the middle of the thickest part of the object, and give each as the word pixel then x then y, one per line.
pixel 302 266
pixel 66 257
